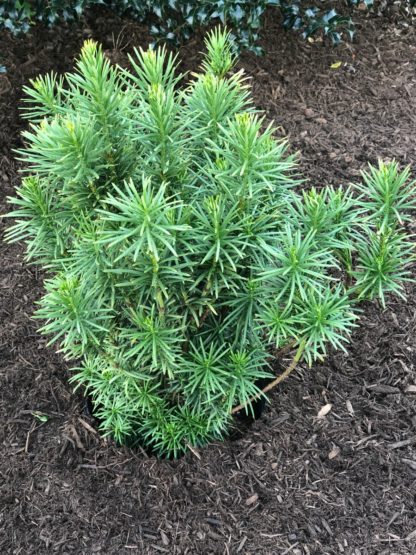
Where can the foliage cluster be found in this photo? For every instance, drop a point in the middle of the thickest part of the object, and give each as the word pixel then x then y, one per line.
pixel 175 20
pixel 178 251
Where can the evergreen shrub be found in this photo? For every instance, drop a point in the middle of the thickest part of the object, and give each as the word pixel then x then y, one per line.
pixel 178 248
pixel 175 20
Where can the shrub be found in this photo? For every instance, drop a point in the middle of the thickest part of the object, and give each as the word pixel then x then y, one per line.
pixel 177 249
pixel 175 20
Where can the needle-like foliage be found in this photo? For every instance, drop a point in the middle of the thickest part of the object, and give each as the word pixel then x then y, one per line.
pixel 179 252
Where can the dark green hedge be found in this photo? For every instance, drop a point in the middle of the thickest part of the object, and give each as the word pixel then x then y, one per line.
pixel 174 20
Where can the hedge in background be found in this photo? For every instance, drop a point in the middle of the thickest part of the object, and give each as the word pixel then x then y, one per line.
pixel 175 20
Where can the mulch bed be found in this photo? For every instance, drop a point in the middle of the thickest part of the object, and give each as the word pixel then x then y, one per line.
pixel 292 483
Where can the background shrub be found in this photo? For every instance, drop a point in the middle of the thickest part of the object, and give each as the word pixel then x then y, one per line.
pixel 178 251
pixel 175 20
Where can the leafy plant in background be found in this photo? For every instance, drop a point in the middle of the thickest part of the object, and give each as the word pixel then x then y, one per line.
pixel 175 20
pixel 178 251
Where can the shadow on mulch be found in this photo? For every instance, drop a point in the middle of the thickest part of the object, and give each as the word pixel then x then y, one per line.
pixel 293 484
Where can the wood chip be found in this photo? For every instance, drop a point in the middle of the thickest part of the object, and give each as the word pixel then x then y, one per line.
pixel 159 548
pixel 324 410
pixel 403 443
pixel 334 453
pixel 75 436
pixel 194 451
pixel 349 407
pixel 411 536
pixel 253 499
pixel 327 527
pixel 410 389
pixel 240 547
pixel 87 426
pixel 383 388
pixel 165 539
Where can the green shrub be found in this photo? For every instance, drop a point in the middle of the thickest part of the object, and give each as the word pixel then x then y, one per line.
pixel 178 251
pixel 175 20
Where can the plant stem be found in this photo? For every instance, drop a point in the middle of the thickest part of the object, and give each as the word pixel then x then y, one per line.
pixel 276 381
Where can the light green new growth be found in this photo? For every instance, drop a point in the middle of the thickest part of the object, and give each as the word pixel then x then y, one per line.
pixel 179 252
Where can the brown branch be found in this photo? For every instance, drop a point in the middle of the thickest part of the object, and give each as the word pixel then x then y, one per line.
pixel 284 350
pixel 204 316
pixel 276 381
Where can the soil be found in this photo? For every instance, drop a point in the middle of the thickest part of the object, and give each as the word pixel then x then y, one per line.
pixel 294 483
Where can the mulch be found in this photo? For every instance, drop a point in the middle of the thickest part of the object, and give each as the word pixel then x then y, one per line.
pixel 293 483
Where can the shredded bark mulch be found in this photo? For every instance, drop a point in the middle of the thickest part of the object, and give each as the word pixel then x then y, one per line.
pixel 294 483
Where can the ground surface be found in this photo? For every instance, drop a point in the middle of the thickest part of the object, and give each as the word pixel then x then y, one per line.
pixel 293 484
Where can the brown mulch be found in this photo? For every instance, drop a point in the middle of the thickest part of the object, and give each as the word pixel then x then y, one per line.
pixel 293 483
